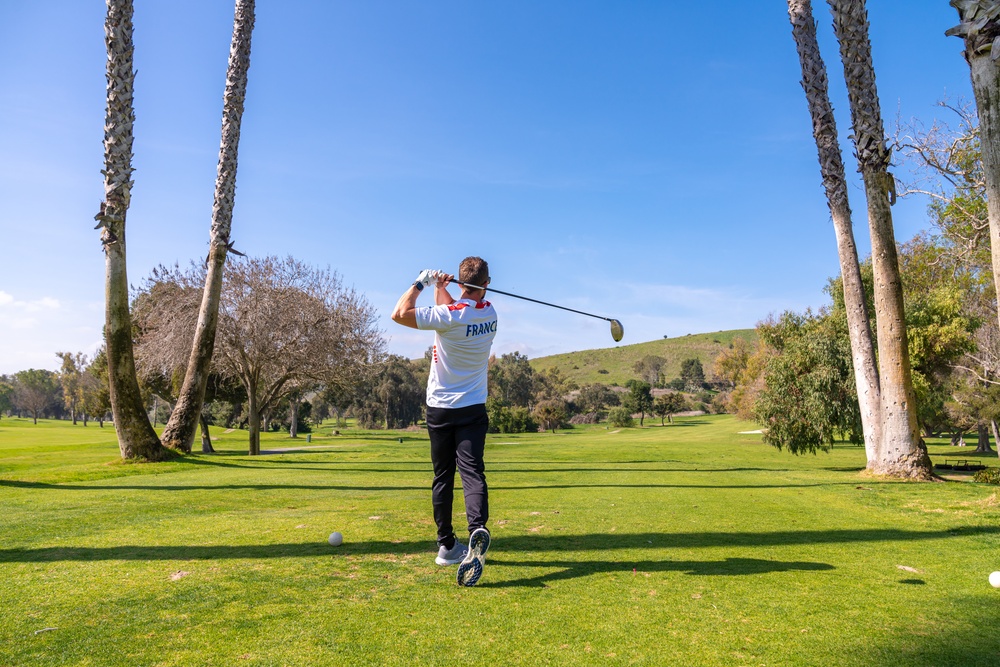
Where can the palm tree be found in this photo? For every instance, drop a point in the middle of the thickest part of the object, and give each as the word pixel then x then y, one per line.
pixel 980 27
pixel 180 430
pixel 814 83
pixel 136 437
pixel 902 452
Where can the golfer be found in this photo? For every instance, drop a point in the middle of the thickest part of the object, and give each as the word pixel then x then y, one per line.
pixel 464 329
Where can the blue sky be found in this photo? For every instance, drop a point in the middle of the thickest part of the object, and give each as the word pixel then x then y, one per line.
pixel 650 161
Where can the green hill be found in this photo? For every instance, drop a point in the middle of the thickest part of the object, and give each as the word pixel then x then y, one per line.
pixel 613 365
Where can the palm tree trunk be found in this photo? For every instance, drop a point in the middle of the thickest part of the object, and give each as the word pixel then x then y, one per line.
pixel 136 437
pixel 815 85
pixel 984 69
pixel 902 452
pixel 180 430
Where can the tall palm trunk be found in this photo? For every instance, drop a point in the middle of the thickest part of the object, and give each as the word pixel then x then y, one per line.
pixel 180 430
pixel 980 27
pixel 136 437
pixel 814 83
pixel 902 453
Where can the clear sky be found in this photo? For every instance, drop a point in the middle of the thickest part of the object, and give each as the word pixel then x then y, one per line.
pixel 650 161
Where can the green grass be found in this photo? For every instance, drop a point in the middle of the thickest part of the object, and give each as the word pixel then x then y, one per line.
pixel 586 366
pixel 689 544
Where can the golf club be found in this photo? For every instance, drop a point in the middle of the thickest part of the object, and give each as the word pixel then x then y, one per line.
pixel 617 331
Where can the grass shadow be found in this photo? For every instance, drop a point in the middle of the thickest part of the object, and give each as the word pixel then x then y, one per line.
pixel 506 548
pixel 576 569
pixel 84 486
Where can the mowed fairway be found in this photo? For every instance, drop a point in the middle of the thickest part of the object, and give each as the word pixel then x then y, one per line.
pixel 688 544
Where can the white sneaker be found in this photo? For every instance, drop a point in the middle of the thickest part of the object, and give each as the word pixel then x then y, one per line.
pixel 452 556
pixel 472 567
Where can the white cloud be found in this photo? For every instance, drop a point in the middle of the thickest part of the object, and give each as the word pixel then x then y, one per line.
pixel 33 330
pixel 14 305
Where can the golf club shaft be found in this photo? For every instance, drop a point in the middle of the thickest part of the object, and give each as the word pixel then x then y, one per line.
pixel 544 303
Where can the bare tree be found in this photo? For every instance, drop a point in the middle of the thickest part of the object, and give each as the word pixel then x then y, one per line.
pixel 184 419
pixel 902 453
pixel 815 85
pixel 136 437
pixel 165 316
pixel 980 28
pixel 285 327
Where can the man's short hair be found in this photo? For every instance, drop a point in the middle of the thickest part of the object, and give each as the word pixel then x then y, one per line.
pixel 474 270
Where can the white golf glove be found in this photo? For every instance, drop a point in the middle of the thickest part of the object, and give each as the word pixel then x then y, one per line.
pixel 428 277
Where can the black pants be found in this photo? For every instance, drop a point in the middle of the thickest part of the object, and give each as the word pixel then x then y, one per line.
pixel 458 439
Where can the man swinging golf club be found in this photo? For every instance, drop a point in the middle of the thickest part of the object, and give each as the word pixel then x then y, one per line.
pixel 464 329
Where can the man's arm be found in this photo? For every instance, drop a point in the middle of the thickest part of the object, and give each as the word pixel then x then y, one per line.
pixel 405 307
pixel 404 313
pixel 441 295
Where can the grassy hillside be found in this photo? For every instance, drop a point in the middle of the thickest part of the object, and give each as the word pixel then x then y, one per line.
pixel 616 362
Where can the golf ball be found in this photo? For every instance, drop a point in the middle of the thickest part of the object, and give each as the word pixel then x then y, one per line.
pixel 336 539
pixel 995 580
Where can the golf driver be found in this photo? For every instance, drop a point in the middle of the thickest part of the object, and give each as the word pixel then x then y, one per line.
pixel 617 331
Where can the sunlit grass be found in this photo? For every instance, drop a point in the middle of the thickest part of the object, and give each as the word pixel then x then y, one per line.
pixel 690 544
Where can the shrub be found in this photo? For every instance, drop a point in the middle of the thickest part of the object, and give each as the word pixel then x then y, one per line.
pixel 504 419
pixel 988 476
pixel 620 417
pixel 720 403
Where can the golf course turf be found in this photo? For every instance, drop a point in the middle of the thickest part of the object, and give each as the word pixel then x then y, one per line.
pixel 688 544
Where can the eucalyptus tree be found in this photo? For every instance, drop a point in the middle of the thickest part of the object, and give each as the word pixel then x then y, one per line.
pixel 901 451
pixel 6 395
pixel 816 87
pixel 180 430
pixel 96 394
pixel 980 28
pixel 511 379
pixel 71 381
pixel 136 437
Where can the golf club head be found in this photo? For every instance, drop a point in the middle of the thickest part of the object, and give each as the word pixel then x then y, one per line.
pixel 617 331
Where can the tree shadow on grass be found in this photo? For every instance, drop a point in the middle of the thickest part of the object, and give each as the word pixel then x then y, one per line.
pixel 503 546
pixel 85 486
pixel 575 569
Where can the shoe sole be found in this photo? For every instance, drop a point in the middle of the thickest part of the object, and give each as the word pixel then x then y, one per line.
pixel 443 561
pixel 472 567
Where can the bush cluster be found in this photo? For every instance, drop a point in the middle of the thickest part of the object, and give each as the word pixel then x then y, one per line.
pixel 988 476
pixel 620 417
pixel 504 419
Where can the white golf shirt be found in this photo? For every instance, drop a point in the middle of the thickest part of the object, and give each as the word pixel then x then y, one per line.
pixel 463 335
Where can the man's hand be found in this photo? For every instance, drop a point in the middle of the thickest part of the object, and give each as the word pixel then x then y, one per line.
pixel 429 277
